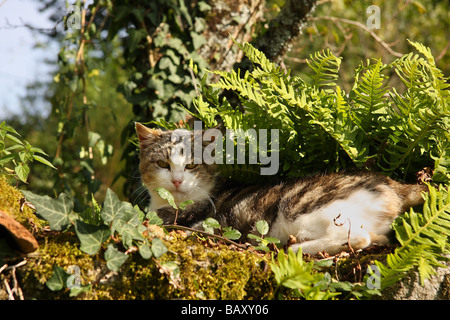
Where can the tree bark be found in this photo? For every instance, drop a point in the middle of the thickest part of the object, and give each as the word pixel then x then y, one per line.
pixel 284 28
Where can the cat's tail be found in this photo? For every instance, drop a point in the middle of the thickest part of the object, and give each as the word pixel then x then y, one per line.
pixel 411 194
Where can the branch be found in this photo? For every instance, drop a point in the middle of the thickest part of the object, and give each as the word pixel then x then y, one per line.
pixel 360 25
pixel 175 226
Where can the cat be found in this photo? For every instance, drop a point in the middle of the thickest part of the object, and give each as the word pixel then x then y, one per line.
pixel 323 212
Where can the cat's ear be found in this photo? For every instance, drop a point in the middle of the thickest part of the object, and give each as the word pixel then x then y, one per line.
pixel 145 133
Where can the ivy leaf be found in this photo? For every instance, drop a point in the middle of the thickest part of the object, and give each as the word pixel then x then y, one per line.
pixel 153 218
pixel 114 258
pixel 58 279
pixel 55 211
pixel 166 195
pixel 145 250
pixel 197 40
pixel 141 215
pixel 112 207
pixel 158 247
pixel 77 291
pixel 130 233
pixel 127 216
pixel 91 236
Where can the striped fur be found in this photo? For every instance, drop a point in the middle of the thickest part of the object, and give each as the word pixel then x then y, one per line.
pixel 323 212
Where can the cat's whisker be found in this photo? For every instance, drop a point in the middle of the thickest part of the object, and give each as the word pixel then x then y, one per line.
pixel 207 195
pixel 142 195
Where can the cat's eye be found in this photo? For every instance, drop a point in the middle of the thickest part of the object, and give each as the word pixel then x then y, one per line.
pixel 191 166
pixel 163 164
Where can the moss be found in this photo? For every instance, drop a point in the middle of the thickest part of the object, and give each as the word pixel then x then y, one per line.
pixel 219 272
pixel 58 249
pixel 10 198
pixel 445 287
pixel 205 272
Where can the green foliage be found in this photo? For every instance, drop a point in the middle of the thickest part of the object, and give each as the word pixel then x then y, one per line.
pixel 293 272
pixel 340 26
pixel 263 228
pixel 61 279
pixel 423 238
pixel 58 279
pixel 374 126
pixel 161 37
pixel 19 153
pixel 310 281
pixel 326 67
pixel 55 211
pixel 116 220
pixel 166 195
pixel 91 236
pixel 114 258
pixel 210 224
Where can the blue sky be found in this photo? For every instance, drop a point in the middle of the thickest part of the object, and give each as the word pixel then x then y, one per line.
pixel 20 62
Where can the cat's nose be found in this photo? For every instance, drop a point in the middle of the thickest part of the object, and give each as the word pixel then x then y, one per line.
pixel 177 183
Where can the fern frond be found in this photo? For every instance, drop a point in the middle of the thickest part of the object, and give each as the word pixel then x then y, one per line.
pixel 423 239
pixel 439 82
pixel 430 228
pixel 418 115
pixel 205 112
pixel 293 272
pixel 257 57
pixel 441 159
pixel 398 264
pixel 368 94
pixel 400 131
pixel 326 68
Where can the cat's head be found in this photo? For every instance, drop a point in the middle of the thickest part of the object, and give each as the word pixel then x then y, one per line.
pixel 164 163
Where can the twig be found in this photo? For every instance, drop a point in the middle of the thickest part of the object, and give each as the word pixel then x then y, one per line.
pixel 443 52
pixel 176 217
pixel 360 25
pixel 358 264
pixel 8 289
pixel 16 289
pixel 194 81
pixel 171 226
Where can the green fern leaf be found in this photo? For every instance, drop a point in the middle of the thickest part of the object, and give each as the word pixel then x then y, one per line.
pixel 430 228
pixel 423 239
pixel 326 68
pixel 257 57
pixel 398 264
pixel 368 95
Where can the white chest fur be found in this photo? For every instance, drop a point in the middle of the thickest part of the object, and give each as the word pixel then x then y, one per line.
pixel 359 220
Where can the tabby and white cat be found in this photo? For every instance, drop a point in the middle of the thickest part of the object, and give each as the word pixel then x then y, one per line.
pixel 323 212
